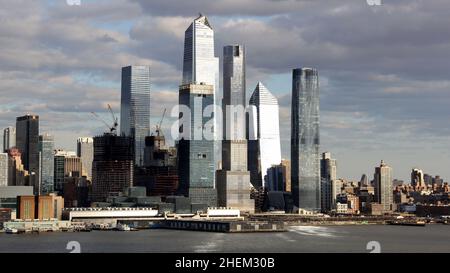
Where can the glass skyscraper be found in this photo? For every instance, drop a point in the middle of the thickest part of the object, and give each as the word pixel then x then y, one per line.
pixel 46 155
pixel 135 108
pixel 263 132
pixel 305 142
pixel 196 156
pixel 233 181
pixel 201 66
pixel 27 141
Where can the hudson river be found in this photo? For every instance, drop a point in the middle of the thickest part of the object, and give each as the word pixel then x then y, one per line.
pixel 432 238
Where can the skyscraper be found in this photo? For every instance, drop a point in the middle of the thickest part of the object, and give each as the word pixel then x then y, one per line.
pixel 305 139
pixel 135 108
pixel 112 168
pixel 3 169
pixel 9 138
pixel 196 152
pixel 27 141
pixel 263 132
pixel 383 186
pixel 328 175
pixel 200 65
pixel 85 151
pixel 46 157
pixel 233 181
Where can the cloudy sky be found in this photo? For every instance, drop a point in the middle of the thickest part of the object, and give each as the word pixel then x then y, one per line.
pixel 385 72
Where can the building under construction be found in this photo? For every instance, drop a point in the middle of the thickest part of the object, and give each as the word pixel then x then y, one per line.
pixel 112 168
pixel 159 174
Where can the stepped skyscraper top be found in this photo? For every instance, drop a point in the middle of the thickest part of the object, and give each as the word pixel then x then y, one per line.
pixel 200 65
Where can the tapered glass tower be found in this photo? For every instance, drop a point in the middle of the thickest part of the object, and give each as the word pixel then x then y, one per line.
pixel 264 148
pixel 305 142
pixel 201 66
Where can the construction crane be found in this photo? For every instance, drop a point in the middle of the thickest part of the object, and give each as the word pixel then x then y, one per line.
pixel 112 128
pixel 116 121
pixel 158 126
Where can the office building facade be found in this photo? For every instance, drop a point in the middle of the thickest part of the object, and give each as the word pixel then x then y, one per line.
pixel 47 164
pixel 305 140
pixel 233 181
pixel 27 141
pixel 67 164
pixel 135 108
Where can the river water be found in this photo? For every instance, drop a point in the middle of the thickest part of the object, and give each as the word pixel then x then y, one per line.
pixel 432 238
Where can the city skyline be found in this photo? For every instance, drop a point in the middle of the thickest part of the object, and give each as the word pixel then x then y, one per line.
pixel 378 111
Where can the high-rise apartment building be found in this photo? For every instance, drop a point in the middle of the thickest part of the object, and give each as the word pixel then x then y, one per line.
pixel 263 133
pixel 3 169
pixel 287 174
pixel 305 141
pixel 135 108
pixel 47 164
pixel 328 169
pixel 383 187
pixel 85 151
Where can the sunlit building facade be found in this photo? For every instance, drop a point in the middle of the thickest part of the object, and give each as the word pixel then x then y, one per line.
pixel 263 132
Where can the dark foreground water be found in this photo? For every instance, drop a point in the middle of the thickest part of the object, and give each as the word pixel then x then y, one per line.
pixel 432 238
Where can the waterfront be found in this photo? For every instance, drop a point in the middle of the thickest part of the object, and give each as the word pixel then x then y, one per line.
pixel 432 238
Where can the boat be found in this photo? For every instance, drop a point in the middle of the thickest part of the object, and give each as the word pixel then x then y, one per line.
pixel 407 223
pixel 123 227
pixel 11 231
